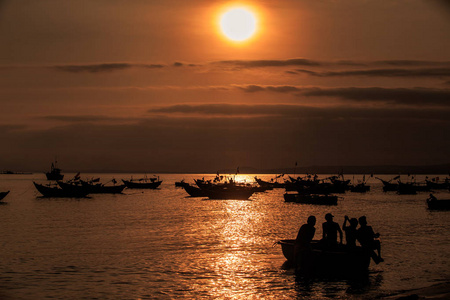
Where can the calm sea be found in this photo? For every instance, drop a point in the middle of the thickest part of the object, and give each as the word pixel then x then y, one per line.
pixel 160 244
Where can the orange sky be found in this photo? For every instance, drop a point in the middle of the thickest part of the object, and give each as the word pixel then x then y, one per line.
pixel 153 86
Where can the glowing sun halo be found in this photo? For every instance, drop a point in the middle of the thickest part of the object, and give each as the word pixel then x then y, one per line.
pixel 238 24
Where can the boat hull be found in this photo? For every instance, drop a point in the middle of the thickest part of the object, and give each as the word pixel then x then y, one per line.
pixel 3 195
pixel 339 260
pixel 194 191
pixel 102 189
pixel 141 185
pixel 439 204
pixel 229 193
pixel 48 191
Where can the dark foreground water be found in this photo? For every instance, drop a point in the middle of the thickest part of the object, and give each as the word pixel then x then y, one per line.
pixel 159 244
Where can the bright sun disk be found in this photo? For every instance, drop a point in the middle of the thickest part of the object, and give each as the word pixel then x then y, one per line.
pixel 238 24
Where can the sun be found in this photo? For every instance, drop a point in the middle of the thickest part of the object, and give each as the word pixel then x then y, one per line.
pixel 238 24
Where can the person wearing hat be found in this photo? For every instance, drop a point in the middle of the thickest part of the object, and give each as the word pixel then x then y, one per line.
pixel 330 230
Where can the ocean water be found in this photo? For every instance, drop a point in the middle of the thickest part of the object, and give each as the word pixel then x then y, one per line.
pixel 161 244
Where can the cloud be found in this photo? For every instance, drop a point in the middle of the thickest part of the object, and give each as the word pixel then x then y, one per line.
pixel 95 68
pixel 104 67
pixel 86 118
pixel 425 72
pixel 278 112
pixel 405 96
pixel 269 63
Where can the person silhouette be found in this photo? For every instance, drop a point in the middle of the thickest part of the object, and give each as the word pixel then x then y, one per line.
pixel 302 248
pixel 366 237
pixel 350 231
pixel 330 230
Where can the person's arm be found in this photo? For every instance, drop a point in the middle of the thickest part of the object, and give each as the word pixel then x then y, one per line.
pixel 323 231
pixel 340 233
pixel 345 222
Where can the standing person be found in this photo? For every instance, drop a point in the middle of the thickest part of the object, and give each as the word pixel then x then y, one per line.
pixel 366 237
pixel 302 247
pixel 330 230
pixel 350 231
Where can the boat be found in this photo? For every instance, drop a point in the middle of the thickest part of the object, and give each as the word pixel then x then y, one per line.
pixel 270 184
pixel 436 204
pixel 360 188
pixel 389 186
pixel 194 191
pixel 3 195
pixel 142 183
pixel 102 188
pixel 339 260
pixel 406 188
pixel 55 173
pixel 317 199
pixel 229 192
pixel 181 183
pixel 55 191
pixel 435 184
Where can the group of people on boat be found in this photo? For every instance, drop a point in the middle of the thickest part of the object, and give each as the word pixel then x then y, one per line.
pixel 365 235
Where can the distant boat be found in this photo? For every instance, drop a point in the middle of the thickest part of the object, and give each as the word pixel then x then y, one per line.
pixel 229 192
pixel 435 184
pixel 360 188
pixel 316 199
pixel 55 173
pixel 143 183
pixel 101 188
pixel 389 186
pixel 194 191
pixel 340 260
pixel 55 191
pixel 436 204
pixel 3 195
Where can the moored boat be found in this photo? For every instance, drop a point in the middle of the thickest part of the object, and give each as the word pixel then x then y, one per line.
pixel 338 260
pixel 360 188
pixel 55 173
pixel 143 183
pixel 229 192
pixel 194 191
pixel 55 191
pixel 102 188
pixel 436 204
pixel 3 195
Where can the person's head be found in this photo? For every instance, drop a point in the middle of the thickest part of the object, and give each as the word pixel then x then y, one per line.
pixel 329 217
pixel 362 221
pixel 353 222
pixel 311 220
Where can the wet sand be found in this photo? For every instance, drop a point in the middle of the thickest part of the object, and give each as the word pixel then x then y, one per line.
pixel 436 292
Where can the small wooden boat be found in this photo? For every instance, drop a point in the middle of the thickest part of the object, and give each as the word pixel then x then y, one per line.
pixel 338 260
pixel 3 195
pixel 389 186
pixel 436 204
pixel 101 188
pixel 229 192
pixel 142 183
pixel 270 184
pixel 316 199
pixel 55 173
pixel 360 188
pixel 55 191
pixel 181 183
pixel 194 191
